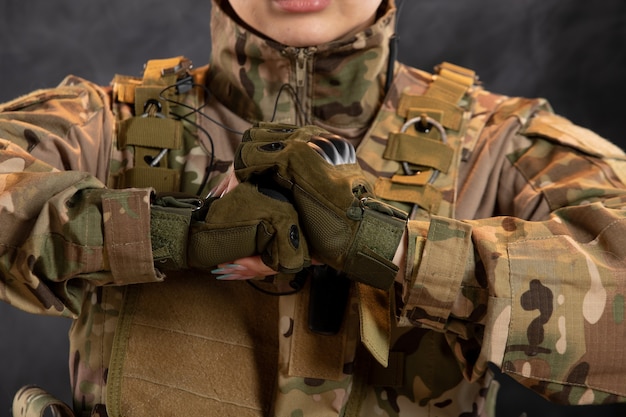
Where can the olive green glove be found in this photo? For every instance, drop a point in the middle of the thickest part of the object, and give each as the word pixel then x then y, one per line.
pixel 345 226
pixel 249 220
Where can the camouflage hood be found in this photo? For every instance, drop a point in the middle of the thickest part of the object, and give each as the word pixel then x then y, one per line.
pixel 338 85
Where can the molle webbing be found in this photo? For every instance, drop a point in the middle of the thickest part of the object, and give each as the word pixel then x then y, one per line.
pixel 429 186
pixel 152 132
pixel 421 149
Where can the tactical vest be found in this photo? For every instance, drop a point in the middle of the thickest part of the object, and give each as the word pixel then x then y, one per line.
pixel 240 366
pixel 219 344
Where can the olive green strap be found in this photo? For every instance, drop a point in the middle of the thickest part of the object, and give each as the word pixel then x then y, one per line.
pixel 428 196
pixel 419 150
pixel 156 132
pixel 375 244
pixel 169 231
pixel 411 106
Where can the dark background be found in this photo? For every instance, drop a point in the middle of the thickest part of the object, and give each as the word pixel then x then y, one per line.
pixel 571 52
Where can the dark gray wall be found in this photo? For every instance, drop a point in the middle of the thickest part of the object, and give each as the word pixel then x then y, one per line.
pixel 571 52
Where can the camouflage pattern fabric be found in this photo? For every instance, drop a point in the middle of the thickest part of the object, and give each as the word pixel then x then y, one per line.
pixel 32 401
pixel 533 219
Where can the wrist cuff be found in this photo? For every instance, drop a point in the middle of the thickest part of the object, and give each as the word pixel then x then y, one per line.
pixel 375 244
pixel 169 230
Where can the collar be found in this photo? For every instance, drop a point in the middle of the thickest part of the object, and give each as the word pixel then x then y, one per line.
pixel 338 85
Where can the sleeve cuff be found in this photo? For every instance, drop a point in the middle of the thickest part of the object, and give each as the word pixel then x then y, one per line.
pixel 437 273
pixel 126 216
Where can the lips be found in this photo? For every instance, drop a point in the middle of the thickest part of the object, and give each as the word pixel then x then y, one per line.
pixel 302 6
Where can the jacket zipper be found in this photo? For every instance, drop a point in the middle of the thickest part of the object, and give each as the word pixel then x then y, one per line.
pixel 302 57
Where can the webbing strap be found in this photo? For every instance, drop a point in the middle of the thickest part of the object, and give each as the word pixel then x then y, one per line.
pixel 411 106
pixel 151 131
pixel 426 196
pixel 461 75
pixel 446 90
pixel 374 310
pixel 158 74
pixel 443 101
pixel 32 401
pixel 161 179
pixel 419 150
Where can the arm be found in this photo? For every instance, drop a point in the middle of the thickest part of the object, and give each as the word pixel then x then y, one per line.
pixel 65 231
pixel 62 230
pixel 538 290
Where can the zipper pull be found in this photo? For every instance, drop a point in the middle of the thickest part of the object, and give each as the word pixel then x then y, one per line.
pixel 302 57
pixel 300 67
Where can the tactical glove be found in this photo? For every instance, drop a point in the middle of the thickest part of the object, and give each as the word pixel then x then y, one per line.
pixel 249 220
pixel 345 226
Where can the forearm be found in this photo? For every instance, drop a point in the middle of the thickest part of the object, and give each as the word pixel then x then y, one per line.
pixel 62 231
pixel 537 298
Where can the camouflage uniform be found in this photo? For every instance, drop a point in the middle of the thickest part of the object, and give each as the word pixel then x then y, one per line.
pixel 515 257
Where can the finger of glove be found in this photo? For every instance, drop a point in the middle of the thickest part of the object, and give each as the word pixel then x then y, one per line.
pixel 287 251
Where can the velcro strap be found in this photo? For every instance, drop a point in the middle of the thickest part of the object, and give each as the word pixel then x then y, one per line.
pixel 169 230
pixel 375 244
pixel 152 132
pixel 438 277
pixel 374 312
pixel 419 150
pixel 427 197
pixel 161 179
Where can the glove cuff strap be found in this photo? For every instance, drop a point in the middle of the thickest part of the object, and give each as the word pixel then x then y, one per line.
pixel 169 230
pixel 375 244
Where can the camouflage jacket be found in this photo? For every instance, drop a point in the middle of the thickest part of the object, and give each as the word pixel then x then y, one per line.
pixel 519 263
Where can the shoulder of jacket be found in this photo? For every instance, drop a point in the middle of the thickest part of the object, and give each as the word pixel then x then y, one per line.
pixel 72 88
pixel 550 126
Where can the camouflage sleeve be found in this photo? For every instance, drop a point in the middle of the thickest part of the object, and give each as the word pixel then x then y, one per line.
pixel 540 291
pixel 61 229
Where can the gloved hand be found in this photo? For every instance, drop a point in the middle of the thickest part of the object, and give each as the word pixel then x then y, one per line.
pixel 345 226
pixel 249 220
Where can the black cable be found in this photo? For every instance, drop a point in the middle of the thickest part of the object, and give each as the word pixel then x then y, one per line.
pixel 186 117
pixel 296 100
pixel 297 283
pixel 393 50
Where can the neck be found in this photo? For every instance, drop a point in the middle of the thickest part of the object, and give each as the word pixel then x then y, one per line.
pixel 339 85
